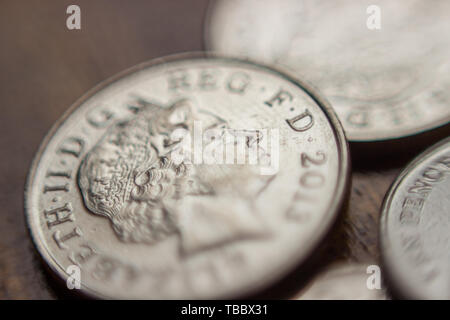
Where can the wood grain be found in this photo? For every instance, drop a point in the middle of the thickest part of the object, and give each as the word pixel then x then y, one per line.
pixel 45 68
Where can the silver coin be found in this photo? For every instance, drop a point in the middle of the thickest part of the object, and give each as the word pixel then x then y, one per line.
pixel 345 281
pixel 113 191
pixel 415 224
pixel 384 83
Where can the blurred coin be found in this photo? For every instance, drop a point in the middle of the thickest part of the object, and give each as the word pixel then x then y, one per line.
pixel 187 177
pixel 384 83
pixel 415 226
pixel 345 281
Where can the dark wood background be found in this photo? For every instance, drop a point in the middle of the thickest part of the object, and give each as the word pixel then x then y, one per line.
pixel 44 68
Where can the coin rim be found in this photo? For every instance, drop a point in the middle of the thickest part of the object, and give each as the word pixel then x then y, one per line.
pixel 387 256
pixel 356 138
pixel 341 188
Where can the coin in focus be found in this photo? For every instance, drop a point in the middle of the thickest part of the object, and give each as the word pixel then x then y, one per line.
pixel 188 177
pixel 415 225
pixel 384 83
pixel 344 281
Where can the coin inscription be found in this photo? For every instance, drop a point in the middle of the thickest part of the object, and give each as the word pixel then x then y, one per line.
pixel 116 190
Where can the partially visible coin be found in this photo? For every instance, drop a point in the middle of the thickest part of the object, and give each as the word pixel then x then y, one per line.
pixel 415 226
pixel 119 190
pixel 345 281
pixel 384 83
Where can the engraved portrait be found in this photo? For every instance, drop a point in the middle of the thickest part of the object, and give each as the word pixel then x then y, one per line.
pixel 131 178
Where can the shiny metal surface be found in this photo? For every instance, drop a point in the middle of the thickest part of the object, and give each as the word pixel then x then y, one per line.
pixel 342 281
pixel 106 192
pixel 415 224
pixel 384 84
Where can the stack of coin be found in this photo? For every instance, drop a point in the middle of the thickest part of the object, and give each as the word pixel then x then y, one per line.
pixel 206 176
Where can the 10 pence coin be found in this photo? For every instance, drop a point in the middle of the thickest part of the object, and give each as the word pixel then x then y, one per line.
pixel 135 185
pixel 415 225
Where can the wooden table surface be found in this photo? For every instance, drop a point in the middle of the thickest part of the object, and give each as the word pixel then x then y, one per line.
pixel 44 68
